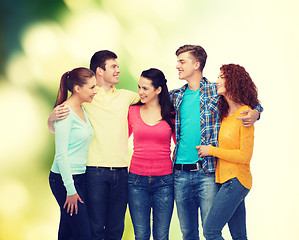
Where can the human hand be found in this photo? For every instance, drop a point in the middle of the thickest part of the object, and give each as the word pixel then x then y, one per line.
pixel 203 150
pixel 71 203
pixel 59 112
pixel 250 118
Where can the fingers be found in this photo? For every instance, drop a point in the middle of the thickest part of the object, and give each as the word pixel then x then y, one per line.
pixel 62 112
pixel 72 209
pixel 71 204
pixel 246 124
pixel 80 200
pixel 245 111
pixel 199 151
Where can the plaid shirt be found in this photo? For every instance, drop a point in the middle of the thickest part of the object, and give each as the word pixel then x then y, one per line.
pixel 209 119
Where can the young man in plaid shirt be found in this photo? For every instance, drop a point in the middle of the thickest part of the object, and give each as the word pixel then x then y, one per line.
pixel 197 123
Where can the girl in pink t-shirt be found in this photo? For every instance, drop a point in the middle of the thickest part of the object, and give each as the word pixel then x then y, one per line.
pixel 151 121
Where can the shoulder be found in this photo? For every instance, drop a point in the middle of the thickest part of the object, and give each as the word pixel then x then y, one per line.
pixel 65 123
pixel 126 92
pixel 241 109
pixel 134 109
pixel 181 89
pixel 209 87
pixel 131 96
pixel 178 91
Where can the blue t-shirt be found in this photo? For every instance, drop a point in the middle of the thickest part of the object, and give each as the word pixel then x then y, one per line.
pixel 72 138
pixel 190 135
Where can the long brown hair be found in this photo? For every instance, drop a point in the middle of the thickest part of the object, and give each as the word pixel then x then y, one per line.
pixel 158 79
pixel 77 76
pixel 239 88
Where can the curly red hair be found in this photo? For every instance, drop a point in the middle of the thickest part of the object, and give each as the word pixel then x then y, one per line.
pixel 239 87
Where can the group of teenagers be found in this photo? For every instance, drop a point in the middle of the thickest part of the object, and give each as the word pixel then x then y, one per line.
pixel 211 125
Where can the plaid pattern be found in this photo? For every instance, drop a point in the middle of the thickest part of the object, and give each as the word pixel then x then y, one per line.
pixel 209 119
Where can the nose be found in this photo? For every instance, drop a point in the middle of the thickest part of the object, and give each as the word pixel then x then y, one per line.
pixel 140 91
pixel 178 66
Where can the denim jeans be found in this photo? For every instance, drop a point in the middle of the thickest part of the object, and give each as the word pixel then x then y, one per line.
pixel 75 226
pixel 146 193
pixel 228 207
pixel 193 190
pixel 107 197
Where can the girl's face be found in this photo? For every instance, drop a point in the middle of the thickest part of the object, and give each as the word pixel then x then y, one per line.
pixel 146 90
pixel 88 90
pixel 221 90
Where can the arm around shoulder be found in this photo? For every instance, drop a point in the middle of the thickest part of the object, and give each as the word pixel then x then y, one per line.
pixel 58 113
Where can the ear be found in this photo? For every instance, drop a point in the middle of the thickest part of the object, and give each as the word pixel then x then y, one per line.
pixel 158 90
pixel 99 71
pixel 77 88
pixel 196 65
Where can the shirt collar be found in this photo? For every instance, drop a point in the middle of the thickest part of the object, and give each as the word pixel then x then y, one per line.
pixel 103 92
pixel 203 81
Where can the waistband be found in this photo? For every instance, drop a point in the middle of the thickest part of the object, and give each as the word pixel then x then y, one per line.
pixel 108 168
pixel 188 167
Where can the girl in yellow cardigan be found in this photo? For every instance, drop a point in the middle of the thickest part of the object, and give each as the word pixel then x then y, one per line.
pixel 237 94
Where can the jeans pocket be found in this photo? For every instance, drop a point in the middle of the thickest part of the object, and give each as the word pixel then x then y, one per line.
pixel 132 179
pixel 176 173
pixel 228 183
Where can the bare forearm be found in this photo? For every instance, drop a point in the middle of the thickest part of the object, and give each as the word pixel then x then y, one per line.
pixel 51 126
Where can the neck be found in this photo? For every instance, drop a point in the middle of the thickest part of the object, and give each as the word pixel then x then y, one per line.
pixel 194 81
pixel 152 105
pixel 74 101
pixel 233 106
pixel 106 86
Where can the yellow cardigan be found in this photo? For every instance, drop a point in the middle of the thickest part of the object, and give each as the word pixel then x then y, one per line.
pixel 235 150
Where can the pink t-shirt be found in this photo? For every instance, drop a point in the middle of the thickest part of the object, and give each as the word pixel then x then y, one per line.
pixel 151 156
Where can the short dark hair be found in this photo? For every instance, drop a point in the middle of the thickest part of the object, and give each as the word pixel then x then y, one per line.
pixel 196 51
pixel 99 59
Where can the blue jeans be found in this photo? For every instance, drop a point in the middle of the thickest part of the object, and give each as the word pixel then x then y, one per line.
pixel 228 207
pixel 76 226
pixel 107 197
pixel 193 190
pixel 146 193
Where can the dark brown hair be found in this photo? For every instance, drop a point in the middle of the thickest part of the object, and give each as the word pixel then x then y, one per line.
pixel 99 59
pixel 77 76
pixel 158 79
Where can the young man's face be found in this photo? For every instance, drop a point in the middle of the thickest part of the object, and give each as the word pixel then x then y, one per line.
pixel 186 66
pixel 110 75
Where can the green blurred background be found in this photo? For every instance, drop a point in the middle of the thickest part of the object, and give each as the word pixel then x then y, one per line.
pixel 41 39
